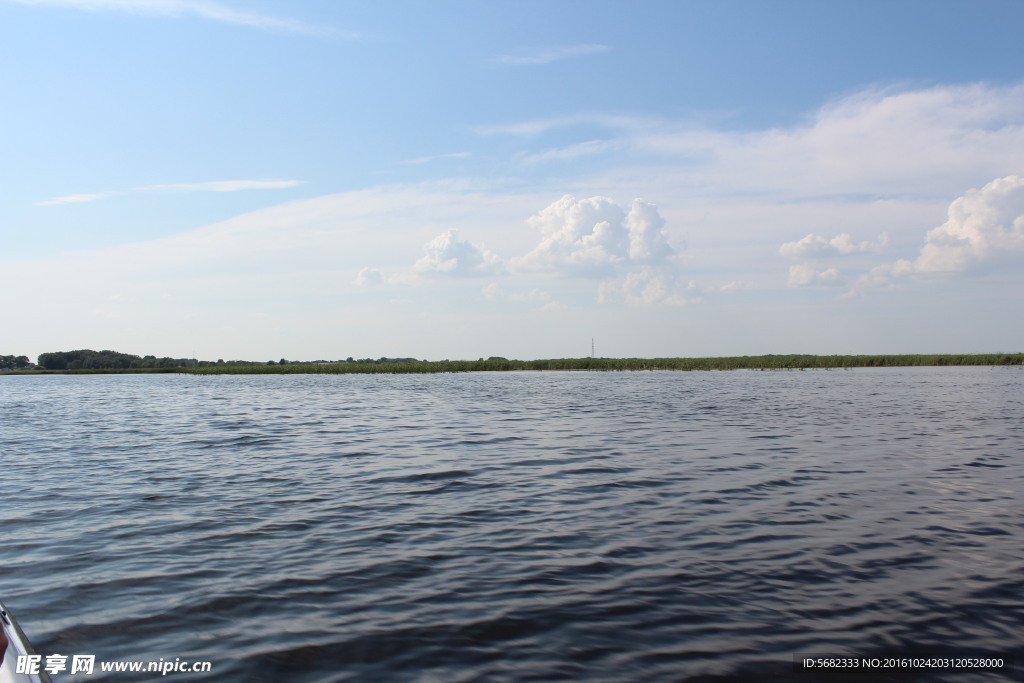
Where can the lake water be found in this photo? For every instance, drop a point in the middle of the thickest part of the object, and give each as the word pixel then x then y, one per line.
pixel 654 526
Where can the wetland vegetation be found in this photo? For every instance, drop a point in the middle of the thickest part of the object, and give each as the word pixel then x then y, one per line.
pixel 771 362
pixel 95 362
pixel 494 364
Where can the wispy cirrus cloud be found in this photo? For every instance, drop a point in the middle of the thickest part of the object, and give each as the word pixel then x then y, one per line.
pixel 205 9
pixel 626 123
pixel 551 54
pixel 436 157
pixel 222 186
pixel 880 142
pixel 77 198
pixel 573 152
pixel 214 186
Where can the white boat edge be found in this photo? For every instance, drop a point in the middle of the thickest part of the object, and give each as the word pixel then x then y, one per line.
pixel 17 645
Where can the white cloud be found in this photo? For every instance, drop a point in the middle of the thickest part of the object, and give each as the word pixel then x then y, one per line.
pixel 491 291
pixel 650 286
pixel 206 9
pixel 984 231
pixel 77 198
pixel 572 152
pixel 804 275
pixel 815 246
pixel 875 142
pixel 877 161
pixel 370 277
pixel 554 54
pixel 300 260
pixel 630 124
pixel 591 237
pixel 587 238
pixel 736 286
pixel 585 235
pixel 985 227
pixel 446 254
pixel 534 294
pixel 647 241
pixel 213 186
pixel 221 186
pixel 436 157
pixel 292 276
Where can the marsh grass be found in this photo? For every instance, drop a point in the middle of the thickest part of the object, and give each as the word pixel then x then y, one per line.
pixel 791 362
pixel 787 362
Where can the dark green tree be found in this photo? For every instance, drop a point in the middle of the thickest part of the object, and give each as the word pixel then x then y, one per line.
pixel 14 362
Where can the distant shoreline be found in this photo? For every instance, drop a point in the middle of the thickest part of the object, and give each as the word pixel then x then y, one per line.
pixel 769 362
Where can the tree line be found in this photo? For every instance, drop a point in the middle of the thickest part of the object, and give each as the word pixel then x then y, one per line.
pixel 15 363
pixel 87 359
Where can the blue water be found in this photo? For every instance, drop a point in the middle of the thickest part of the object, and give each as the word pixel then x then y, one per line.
pixel 654 526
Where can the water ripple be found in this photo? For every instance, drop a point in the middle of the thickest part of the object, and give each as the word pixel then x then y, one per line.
pixel 516 526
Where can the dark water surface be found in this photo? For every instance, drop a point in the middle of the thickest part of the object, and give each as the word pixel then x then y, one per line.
pixel 649 526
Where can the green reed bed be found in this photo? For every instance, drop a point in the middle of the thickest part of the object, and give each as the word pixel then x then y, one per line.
pixel 790 362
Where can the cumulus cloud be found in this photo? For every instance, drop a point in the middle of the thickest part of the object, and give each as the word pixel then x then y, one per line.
pixel 592 237
pixel 984 230
pixel 588 238
pixel 737 286
pixel 534 294
pixel 446 254
pixel 804 275
pixel 647 241
pixel 491 292
pixel 815 246
pixel 650 286
pixel 984 227
pixel 587 234
pixel 597 238
pixel 370 277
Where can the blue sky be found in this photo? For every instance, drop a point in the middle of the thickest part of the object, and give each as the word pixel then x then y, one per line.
pixel 315 179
